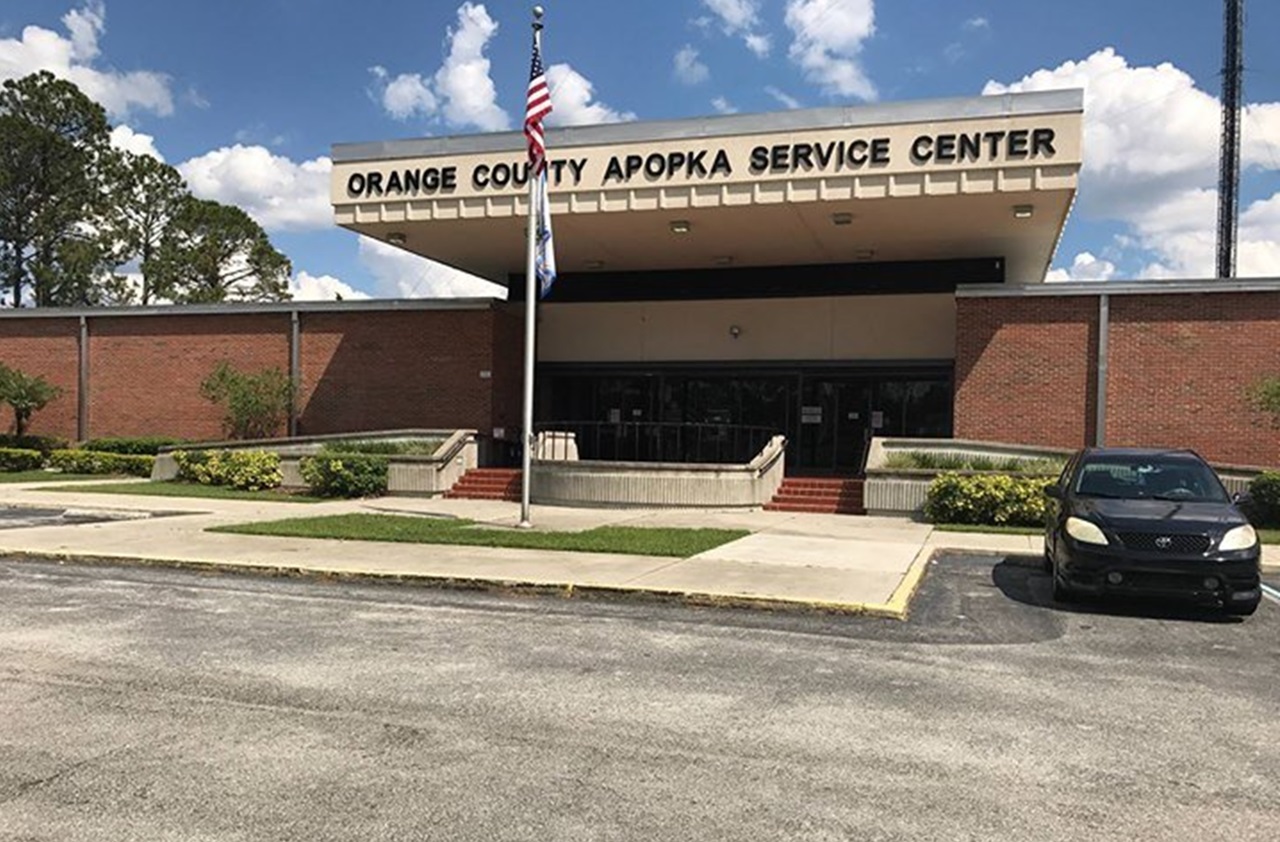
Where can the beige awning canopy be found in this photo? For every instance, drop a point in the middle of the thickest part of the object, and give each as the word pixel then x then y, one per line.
pixel 980 177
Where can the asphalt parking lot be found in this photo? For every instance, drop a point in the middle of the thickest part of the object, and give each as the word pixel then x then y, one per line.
pixel 158 704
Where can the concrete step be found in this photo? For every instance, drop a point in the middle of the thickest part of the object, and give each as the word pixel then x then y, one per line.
pixel 455 494
pixel 803 491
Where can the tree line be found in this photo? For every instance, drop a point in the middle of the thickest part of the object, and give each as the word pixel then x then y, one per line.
pixel 77 213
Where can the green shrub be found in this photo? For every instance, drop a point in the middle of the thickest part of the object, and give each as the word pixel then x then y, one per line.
pixel 92 462
pixel 1264 499
pixel 929 461
pixel 44 444
pixel 131 446
pixel 15 459
pixel 26 394
pixel 406 447
pixel 248 470
pixel 345 475
pixel 989 499
pixel 255 405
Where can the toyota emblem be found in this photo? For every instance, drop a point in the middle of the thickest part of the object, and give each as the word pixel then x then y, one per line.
pixel 1164 542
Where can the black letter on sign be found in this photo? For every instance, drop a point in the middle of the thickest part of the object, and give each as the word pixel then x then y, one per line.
pixel 614 170
pixel 1042 143
pixel 721 163
pixel 922 149
pixel 480 176
pixel 759 159
pixel 355 184
pixel 634 162
pixel 655 165
pixel 375 183
pixel 1018 143
pixel 880 150
pixel 393 183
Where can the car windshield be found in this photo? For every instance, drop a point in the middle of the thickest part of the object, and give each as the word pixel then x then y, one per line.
pixel 1149 478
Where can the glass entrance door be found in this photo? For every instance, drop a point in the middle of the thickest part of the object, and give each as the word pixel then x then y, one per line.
pixel 834 414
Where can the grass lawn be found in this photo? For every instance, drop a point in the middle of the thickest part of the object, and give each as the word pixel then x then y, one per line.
pixel 189 489
pixel 1266 536
pixel 678 543
pixel 51 476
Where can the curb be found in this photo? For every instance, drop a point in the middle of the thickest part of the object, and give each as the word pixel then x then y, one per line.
pixel 895 609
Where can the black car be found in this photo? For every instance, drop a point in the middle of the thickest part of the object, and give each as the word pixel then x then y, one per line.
pixel 1150 522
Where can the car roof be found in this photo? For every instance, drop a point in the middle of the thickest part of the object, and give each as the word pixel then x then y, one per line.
pixel 1142 452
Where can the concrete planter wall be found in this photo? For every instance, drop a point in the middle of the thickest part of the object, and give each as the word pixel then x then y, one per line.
pixel 410 476
pixel 903 491
pixel 589 483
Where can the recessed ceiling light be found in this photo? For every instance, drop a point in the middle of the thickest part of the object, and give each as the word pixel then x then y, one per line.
pixel 724 260
pixel 680 226
pixel 841 218
pixel 864 254
pixel 396 238
pixel 1023 211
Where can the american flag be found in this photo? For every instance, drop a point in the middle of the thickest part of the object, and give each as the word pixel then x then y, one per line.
pixel 537 106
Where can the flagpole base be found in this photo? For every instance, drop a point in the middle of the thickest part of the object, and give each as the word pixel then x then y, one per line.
pixel 524 524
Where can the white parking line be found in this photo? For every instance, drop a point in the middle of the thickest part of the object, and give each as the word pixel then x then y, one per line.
pixel 1271 593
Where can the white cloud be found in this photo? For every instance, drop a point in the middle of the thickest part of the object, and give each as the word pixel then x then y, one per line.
pixel 307 287
pixel 462 82
pixel 401 274
pixel 405 95
pixel 71 57
pixel 740 17
pixel 123 137
pixel 723 106
pixel 1085 267
pixel 782 96
pixel 276 191
pixel 758 44
pixel 828 36
pixel 571 100
pixel 1161 182
pixel 687 67
pixel 976 23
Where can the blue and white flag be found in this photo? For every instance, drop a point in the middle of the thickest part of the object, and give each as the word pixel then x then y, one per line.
pixel 545 258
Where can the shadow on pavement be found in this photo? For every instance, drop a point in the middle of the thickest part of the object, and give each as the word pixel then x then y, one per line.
pixel 1023 579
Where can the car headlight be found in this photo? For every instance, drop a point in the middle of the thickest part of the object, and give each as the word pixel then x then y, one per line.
pixel 1240 538
pixel 1084 531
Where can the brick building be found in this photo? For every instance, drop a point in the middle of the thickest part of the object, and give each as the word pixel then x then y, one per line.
pixel 827 274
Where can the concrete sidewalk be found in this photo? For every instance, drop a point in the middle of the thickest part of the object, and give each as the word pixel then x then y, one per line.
pixel 865 565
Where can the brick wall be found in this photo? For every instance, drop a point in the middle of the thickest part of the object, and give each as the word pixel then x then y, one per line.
pixel 1025 370
pixel 388 370
pixel 361 370
pixel 1178 369
pixel 46 348
pixel 145 372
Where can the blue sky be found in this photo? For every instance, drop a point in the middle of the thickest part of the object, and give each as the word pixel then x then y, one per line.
pixel 246 96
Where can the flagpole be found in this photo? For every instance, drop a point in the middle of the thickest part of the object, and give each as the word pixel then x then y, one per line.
pixel 530 300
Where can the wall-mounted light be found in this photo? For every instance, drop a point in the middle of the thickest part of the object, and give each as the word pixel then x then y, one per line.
pixel 841 218
pixel 1023 211
pixel 680 226
pixel 723 260
pixel 396 238
pixel 735 331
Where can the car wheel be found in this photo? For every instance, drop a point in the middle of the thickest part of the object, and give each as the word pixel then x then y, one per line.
pixel 1241 609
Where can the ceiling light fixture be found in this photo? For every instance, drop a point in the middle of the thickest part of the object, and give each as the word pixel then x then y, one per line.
pixel 396 238
pixel 864 254
pixel 680 226
pixel 1023 211
pixel 722 261
pixel 841 218
pixel 594 264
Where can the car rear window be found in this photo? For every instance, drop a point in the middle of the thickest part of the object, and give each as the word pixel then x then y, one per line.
pixel 1160 479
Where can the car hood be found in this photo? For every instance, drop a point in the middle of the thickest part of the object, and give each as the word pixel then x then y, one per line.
pixel 1159 515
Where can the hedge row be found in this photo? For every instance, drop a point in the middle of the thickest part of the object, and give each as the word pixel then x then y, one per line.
pixel 1264 500
pixel 75 462
pixel 987 499
pixel 326 475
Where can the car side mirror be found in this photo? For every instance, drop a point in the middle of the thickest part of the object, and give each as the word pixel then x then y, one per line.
pixel 1241 498
pixel 1054 491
